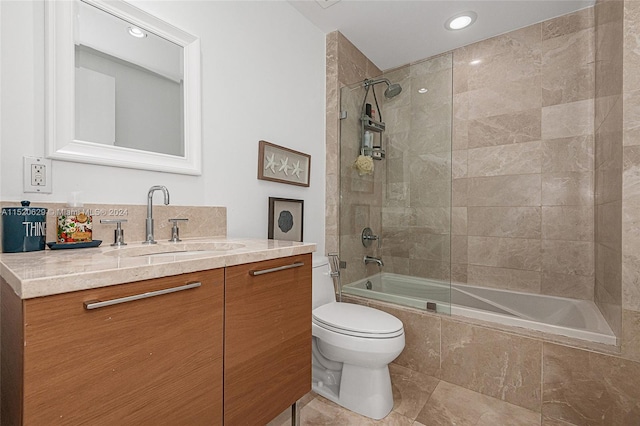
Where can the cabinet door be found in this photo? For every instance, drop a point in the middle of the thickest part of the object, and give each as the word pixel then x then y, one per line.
pixel 267 361
pixel 153 361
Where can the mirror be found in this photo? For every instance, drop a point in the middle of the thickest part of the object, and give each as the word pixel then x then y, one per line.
pixel 123 88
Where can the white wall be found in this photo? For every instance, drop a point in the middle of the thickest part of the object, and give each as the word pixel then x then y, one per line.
pixel 263 77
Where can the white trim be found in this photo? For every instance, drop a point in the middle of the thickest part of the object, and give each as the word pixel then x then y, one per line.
pixel 60 143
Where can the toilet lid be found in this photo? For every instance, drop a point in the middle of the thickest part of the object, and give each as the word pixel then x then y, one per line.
pixel 357 320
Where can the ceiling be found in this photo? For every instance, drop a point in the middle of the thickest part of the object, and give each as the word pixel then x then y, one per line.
pixel 392 33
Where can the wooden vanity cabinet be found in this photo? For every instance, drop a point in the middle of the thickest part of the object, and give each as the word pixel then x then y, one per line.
pixel 267 360
pixel 153 361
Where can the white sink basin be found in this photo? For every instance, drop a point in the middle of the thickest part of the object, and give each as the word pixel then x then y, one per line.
pixel 174 249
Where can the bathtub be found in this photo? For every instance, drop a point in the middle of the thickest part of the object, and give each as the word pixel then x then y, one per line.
pixel 579 319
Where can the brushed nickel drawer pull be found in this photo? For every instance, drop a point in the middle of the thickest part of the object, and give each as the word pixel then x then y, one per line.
pixel 279 268
pixel 95 304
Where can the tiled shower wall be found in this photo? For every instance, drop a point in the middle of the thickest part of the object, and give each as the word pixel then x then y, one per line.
pixel 523 159
pixel 523 171
pixel 631 183
pixel 608 160
pixel 345 65
pixel 417 189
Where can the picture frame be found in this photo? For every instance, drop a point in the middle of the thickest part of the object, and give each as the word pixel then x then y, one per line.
pixel 279 164
pixel 286 219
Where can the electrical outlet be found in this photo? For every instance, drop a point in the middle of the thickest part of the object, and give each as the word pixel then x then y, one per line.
pixel 37 175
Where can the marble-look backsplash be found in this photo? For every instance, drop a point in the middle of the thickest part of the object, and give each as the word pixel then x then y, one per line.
pixel 204 221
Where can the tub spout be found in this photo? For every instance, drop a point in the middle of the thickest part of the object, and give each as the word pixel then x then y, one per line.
pixel 371 259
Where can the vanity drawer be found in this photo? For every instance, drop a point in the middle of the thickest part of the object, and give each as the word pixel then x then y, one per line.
pixel 137 360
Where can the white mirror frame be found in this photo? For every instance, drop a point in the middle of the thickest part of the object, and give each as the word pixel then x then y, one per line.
pixel 60 93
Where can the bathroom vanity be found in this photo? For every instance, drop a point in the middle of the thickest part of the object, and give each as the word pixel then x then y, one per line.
pixel 139 335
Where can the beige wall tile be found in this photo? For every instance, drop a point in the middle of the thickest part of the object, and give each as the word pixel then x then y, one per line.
pixel 631 118
pixel 631 46
pixel 574 223
pixel 459 164
pixel 422 337
pixel 508 97
pixel 513 253
pixel 519 190
pixel 517 52
pixel 508 128
pixel 458 249
pixel 514 222
pixel 567 68
pixel 566 120
pixel 609 225
pixel 353 66
pixel 459 192
pixel 426 246
pixel 609 271
pixel 434 220
pixel 493 363
pixel 631 229
pixel 567 189
pixel 459 272
pixel 573 154
pixel 609 306
pixel 631 178
pixel 567 24
pixel 514 159
pixel 504 278
pixel 459 220
pixel 631 335
pixel 523 39
pixel 587 388
pixel 453 405
pixel 630 281
pixel 564 285
pixel 568 257
pixel 608 186
pixel 431 269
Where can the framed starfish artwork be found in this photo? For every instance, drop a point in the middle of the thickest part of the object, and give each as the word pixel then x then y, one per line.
pixel 279 164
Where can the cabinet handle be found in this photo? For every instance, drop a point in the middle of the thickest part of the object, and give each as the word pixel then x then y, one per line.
pixel 279 268
pixel 95 304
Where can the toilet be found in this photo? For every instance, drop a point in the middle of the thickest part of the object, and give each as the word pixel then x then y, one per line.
pixel 352 348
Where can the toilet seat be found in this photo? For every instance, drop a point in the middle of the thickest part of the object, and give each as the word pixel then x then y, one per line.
pixel 356 320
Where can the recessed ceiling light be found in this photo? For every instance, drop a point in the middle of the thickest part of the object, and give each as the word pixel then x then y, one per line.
pixel 423 90
pixel 137 32
pixel 461 20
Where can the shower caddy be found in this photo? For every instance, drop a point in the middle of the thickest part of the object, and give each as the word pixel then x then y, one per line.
pixel 368 124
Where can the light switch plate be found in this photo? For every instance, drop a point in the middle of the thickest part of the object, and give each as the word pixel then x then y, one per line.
pixel 37 175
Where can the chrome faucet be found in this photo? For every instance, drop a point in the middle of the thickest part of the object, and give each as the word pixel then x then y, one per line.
pixel 371 259
pixel 149 227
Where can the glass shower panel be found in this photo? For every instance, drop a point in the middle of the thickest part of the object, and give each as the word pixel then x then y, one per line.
pixel 407 199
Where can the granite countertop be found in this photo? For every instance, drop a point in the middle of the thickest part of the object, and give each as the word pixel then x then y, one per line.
pixel 48 272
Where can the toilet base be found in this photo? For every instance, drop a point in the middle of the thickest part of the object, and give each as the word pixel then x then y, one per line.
pixel 363 390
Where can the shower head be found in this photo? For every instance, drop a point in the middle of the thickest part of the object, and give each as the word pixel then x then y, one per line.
pixel 392 89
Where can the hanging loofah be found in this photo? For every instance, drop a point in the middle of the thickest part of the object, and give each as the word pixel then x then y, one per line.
pixel 364 165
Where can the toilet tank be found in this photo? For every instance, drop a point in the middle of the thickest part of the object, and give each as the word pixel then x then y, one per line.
pixel 322 283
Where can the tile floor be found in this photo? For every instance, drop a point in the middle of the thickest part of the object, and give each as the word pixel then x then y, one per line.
pixel 419 400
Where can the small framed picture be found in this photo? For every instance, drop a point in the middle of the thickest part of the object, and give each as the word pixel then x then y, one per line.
pixel 284 165
pixel 285 219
